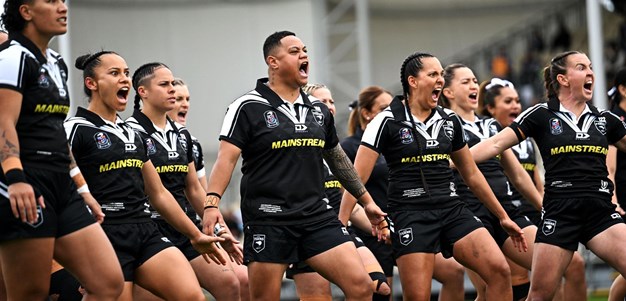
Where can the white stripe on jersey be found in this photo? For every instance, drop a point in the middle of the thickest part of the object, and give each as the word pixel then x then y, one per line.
pixel 72 124
pixel 529 111
pixel 11 70
pixel 232 114
pixel 371 135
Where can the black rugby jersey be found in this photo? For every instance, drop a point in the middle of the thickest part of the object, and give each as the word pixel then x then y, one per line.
pixel 45 101
pixel 379 178
pixel 525 153
pixel 574 153
pixel 620 167
pixel 475 132
pixel 168 151
pixel 110 157
pixel 332 189
pixel 283 170
pixel 198 157
pixel 390 133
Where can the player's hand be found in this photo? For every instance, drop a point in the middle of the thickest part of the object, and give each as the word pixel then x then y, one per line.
pixel 232 246
pixel 24 202
pixel 516 233
pixel 211 218
pixel 375 216
pixel 207 246
pixel 383 230
pixel 94 207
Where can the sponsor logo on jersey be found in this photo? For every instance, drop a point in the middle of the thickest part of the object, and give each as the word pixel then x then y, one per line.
pixel 124 163
pixel 425 158
pixel 298 142
pixel 319 117
pixel 453 189
pixel 150 146
pixel 548 226
pixel 102 140
pixel 555 126
pixel 172 168
pixel 604 186
pixel 406 236
pixel 405 136
pixel 600 124
pixel 271 120
pixel 579 149
pixel 49 108
pixel 258 242
pixel 432 143
pixel 130 147
pixel 165 239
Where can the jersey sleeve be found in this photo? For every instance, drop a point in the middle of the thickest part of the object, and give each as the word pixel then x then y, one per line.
pixel 15 70
pixel 375 134
pixel 527 123
pixel 616 128
pixel 458 134
pixel 236 125
pixel 199 158
pixel 74 139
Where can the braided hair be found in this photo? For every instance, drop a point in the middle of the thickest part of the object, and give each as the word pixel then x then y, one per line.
pixel 143 74
pixel 558 65
pixel 12 20
pixel 87 63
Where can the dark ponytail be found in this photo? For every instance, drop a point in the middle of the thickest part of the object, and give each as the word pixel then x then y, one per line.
pixel 558 65
pixel 144 73
pixel 87 63
pixel 367 99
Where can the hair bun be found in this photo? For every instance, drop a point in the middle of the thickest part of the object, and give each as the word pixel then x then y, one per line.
pixel 81 61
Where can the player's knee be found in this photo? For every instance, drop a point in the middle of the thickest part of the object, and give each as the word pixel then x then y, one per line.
pixel 576 269
pixel 108 287
pixel 379 283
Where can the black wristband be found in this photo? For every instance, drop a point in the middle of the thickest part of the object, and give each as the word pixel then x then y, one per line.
pixel 15 175
pixel 214 194
pixel 208 207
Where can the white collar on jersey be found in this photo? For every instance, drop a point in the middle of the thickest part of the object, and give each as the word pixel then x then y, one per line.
pixel 571 115
pixel 168 127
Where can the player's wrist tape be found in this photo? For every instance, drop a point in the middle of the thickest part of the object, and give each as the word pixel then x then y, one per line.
pixel 83 189
pixel 15 175
pixel 212 200
pixel 11 163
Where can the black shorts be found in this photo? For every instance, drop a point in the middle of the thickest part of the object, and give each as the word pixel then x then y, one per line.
pixel 134 244
pixel 65 210
pixel 303 267
pixel 431 231
pixel 492 223
pixel 525 208
pixel 566 222
pixel 292 243
pixel 382 251
pixel 179 240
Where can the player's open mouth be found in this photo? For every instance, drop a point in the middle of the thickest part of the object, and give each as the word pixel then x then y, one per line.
pixel 122 94
pixel 304 69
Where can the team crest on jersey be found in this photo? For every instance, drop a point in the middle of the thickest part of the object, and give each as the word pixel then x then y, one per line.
pixel 548 226
pixel 196 151
pixel 405 136
pixel 271 120
pixel 448 129
pixel 406 236
pixel 319 117
pixel 555 126
pixel 150 146
pixel 43 81
pixel 453 189
pixel 102 140
pixel 600 124
pixel 258 242
pixel 183 142
pixel 39 220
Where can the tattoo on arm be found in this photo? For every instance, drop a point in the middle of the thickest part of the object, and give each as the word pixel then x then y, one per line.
pixel 72 160
pixel 8 149
pixel 342 168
